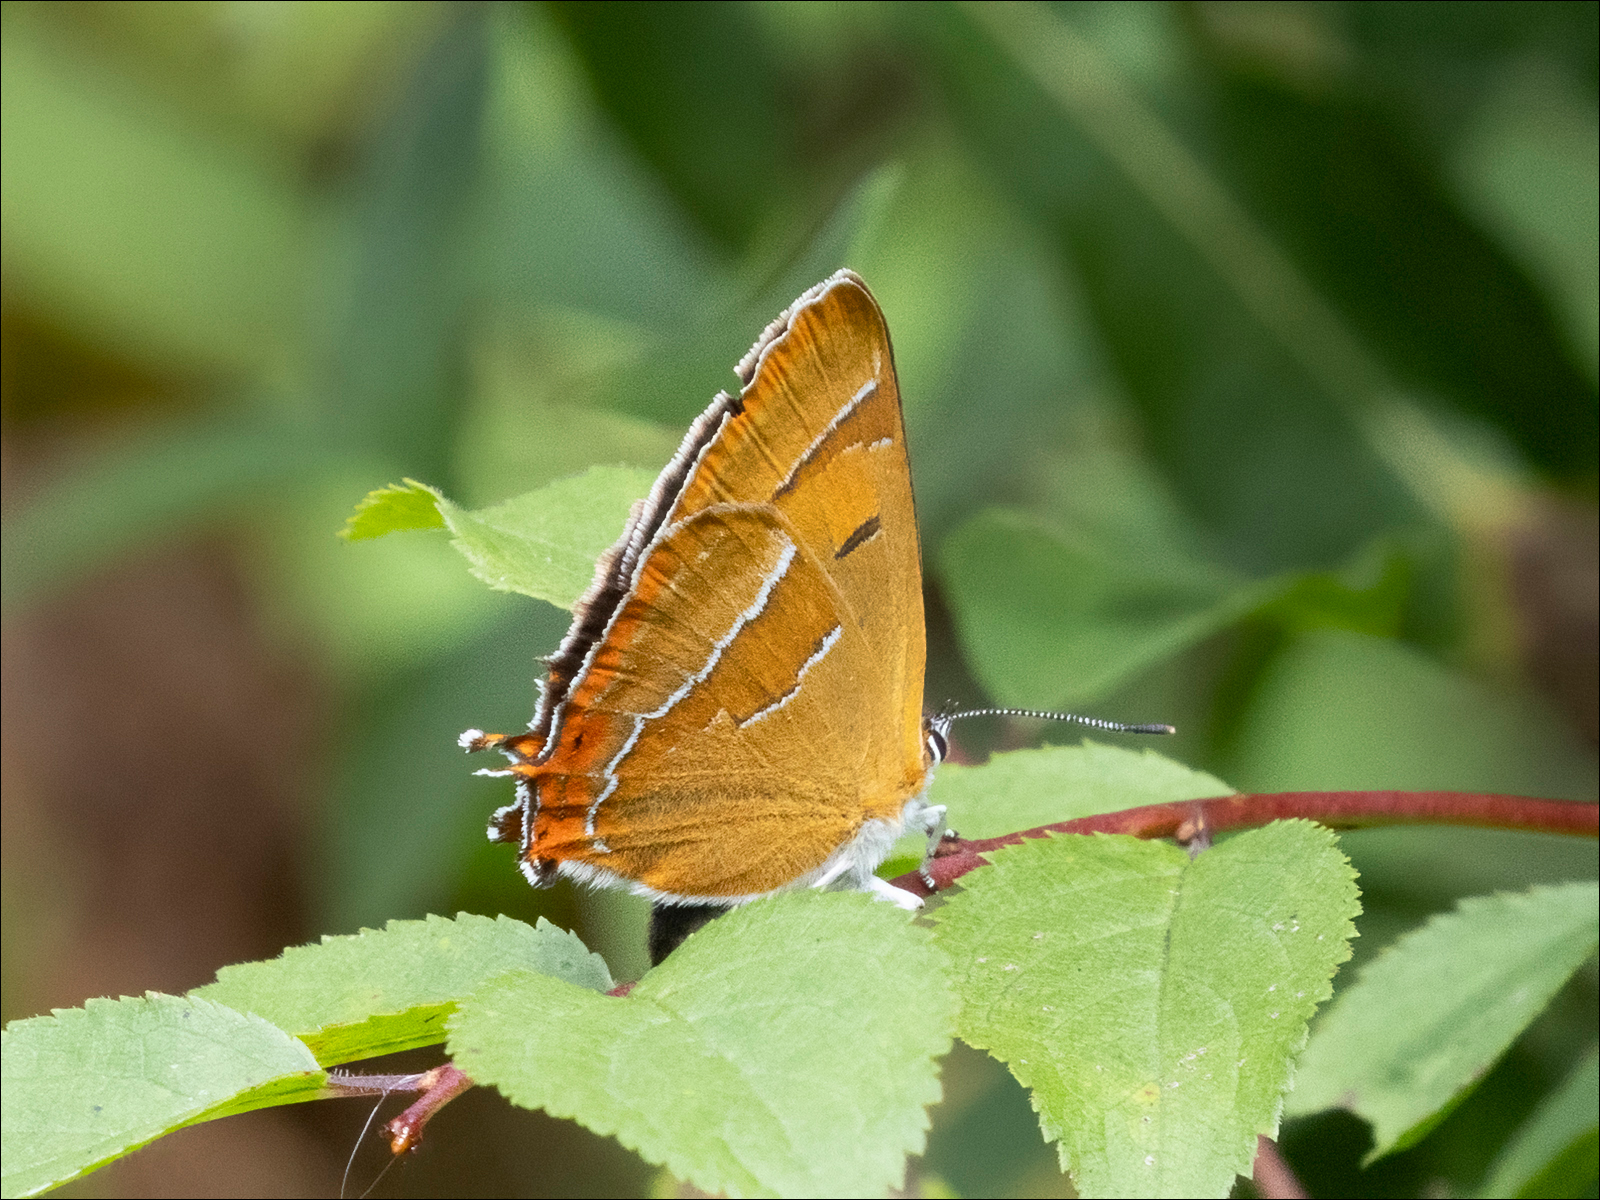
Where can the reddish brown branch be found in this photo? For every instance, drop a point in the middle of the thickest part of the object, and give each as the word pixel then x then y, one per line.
pixel 1274 1177
pixel 405 1131
pixel 438 1086
pixel 1193 819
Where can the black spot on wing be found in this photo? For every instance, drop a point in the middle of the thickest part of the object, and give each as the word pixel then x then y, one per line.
pixel 863 533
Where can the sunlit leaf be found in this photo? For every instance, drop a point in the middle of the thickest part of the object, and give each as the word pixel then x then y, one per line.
pixel 380 991
pixel 87 1085
pixel 391 509
pixel 1152 1004
pixel 786 1049
pixel 542 544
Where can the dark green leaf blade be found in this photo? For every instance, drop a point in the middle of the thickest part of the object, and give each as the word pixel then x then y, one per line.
pixel 786 1049
pixel 87 1085
pixel 1425 1020
pixel 381 991
pixel 1553 1153
pixel 722 151
pixel 394 334
pixel 1336 709
pixel 1152 1003
pixel 1221 344
pixel 1446 308
pixel 1050 623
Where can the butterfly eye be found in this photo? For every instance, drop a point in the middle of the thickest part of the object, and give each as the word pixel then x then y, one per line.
pixel 937 746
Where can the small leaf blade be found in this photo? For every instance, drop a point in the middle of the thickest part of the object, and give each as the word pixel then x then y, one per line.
pixel 543 543
pixel 86 1086
pixel 393 509
pixel 1423 1022
pixel 380 991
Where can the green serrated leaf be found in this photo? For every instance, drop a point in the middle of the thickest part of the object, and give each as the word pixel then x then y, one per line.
pixel 87 1085
pixel 1151 1003
pixel 541 544
pixel 1422 1022
pixel 544 543
pixel 380 991
pixel 1027 788
pixel 1553 1152
pixel 786 1049
pixel 392 509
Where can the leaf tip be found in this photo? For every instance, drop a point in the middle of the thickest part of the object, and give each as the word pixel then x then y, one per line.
pixel 395 508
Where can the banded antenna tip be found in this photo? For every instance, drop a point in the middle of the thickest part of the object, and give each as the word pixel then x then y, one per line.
pixel 944 720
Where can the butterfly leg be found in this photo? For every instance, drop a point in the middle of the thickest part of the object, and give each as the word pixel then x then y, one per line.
pixel 932 819
pixel 864 880
pixel 832 873
pixel 882 889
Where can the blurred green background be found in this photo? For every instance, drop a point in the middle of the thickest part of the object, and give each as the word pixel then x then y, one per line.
pixel 1249 361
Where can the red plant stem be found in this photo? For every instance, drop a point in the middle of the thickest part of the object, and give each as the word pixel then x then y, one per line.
pixel 1193 819
pixel 1274 1177
pixel 438 1086
pixel 405 1131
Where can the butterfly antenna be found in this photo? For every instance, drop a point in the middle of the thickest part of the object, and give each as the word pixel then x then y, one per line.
pixel 943 721
pixel 344 1183
pixel 393 1158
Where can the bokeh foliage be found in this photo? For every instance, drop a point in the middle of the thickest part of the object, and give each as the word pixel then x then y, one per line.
pixel 1246 351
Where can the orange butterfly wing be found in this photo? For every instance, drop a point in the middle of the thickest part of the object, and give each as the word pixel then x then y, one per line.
pixel 741 692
